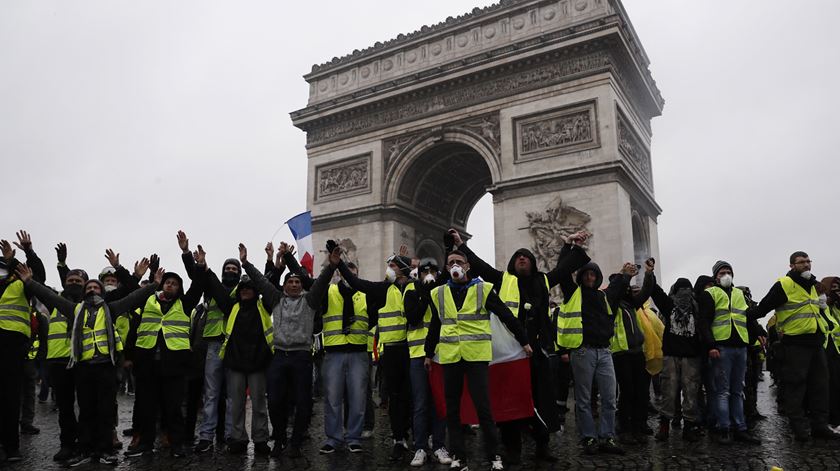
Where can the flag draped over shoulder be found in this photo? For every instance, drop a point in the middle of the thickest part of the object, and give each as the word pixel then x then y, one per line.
pixel 509 381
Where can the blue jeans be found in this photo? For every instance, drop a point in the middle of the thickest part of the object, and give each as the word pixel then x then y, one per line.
pixel 596 364
pixel 344 373
pixel 424 409
pixel 729 371
pixel 214 384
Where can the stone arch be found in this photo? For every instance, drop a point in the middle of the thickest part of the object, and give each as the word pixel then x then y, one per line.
pixel 641 241
pixel 431 248
pixel 442 174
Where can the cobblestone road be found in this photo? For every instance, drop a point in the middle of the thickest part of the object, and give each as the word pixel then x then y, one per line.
pixel 777 450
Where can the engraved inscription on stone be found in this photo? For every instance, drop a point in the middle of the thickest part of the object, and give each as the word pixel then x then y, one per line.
pixel 349 177
pixel 632 148
pixel 561 131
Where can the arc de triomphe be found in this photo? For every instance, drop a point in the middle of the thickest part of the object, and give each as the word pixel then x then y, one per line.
pixel 544 104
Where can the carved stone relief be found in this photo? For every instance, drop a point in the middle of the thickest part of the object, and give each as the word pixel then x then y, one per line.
pixel 454 96
pixel 548 134
pixel 550 228
pixel 348 177
pixel 630 145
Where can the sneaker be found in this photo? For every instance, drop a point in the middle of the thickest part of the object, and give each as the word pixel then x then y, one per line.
pixel 458 464
pixel 544 454
pixel 262 448
pixel 398 451
pixel 294 452
pixel 496 464
pixel 691 433
pixel 109 459
pixel 13 456
pixel 139 450
pixel 237 447
pixel 610 446
pixel 723 437
pixel 367 434
pixel 419 458
pixel 29 429
pixel 78 460
pixel 590 446
pixel 327 450
pixel 178 451
pixel 441 455
pixel 64 454
pixel 354 448
pixel 203 446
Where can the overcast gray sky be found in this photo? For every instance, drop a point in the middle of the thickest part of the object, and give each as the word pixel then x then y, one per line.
pixel 121 122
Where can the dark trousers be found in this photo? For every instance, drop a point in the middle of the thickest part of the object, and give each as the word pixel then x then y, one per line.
pixel 477 375
pixel 805 376
pixel 290 384
pixel 751 381
pixel 834 383
pixel 163 394
pixel 562 373
pixel 96 390
pixel 13 347
pixel 64 384
pixel 195 389
pixel 544 395
pixel 633 391
pixel 396 364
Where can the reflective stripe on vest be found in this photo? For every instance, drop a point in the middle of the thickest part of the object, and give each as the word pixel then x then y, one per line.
pixel 465 334
pixel 391 323
pixel 416 335
pixel 801 313
pixel 214 324
pixel 175 325
pixel 833 313
pixel 267 326
pixel 618 342
pixel 58 338
pixel 509 292
pixel 570 322
pixel 14 310
pixel 357 332
pixel 33 350
pixel 729 310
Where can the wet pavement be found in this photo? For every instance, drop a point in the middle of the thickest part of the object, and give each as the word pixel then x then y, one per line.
pixel 778 449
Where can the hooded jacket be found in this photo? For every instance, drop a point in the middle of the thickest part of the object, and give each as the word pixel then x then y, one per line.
pixel 679 313
pixel 629 304
pixel 598 324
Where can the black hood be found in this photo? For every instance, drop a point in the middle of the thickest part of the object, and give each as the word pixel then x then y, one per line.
pixel 511 267
pixel 170 274
pixel 599 277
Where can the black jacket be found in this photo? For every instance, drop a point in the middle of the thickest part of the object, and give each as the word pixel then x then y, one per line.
pixel 776 297
pixel 598 324
pixel 629 304
pixel 681 337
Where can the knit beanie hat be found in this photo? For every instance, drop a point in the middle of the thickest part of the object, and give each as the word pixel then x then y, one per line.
pixel 720 264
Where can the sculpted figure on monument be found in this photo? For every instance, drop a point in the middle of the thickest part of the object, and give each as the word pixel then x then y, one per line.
pixel 549 230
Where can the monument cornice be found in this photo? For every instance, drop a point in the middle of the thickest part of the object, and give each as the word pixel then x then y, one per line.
pixel 464 40
pixel 539 71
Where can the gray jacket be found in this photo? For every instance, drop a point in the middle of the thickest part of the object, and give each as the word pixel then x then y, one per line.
pixel 293 318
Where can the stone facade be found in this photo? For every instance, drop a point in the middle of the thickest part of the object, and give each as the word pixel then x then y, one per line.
pixel 544 104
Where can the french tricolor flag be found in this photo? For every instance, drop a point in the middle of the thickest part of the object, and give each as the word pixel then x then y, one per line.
pixel 301 227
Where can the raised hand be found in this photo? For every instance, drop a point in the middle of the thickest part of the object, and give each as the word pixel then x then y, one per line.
pixel 24 241
pixel 141 266
pixel 243 253
pixel 629 269
pixel 154 262
pixel 279 263
pixel 61 252
pixel 113 258
pixel 23 272
pixel 578 238
pixel 183 242
pixel 282 249
pixel 6 248
pixel 650 264
pixel 456 237
pixel 269 250
pixel 528 350
pixel 200 256
pixel 403 250
pixel 335 257
pixel 159 275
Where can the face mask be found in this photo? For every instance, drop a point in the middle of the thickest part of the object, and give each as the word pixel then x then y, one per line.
pixel 390 275
pixel 806 274
pixel 456 272
pixel 413 274
pixel 230 278
pixel 726 281
pixel 74 292
pixel 823 301
pixel 93 298
pixel 429 278
pixel 109 288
